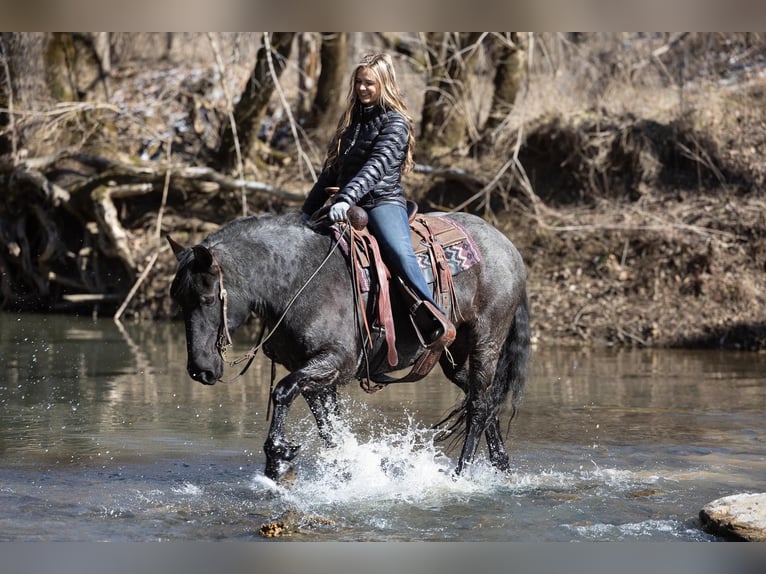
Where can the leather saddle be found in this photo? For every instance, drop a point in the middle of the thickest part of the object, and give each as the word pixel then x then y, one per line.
pixel 431 236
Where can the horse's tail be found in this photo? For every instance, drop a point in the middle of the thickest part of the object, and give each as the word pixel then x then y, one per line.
pixel 509 379
pixel 514 359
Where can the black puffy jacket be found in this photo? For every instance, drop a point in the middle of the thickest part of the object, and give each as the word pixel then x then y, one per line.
pixel 369 167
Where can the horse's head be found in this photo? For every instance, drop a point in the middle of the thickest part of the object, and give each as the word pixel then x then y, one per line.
pixel 197 289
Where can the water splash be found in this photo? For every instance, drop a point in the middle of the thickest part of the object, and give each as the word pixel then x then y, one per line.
pixel 644 530
pixel 395 463
pixel 188 489
pixel 389 480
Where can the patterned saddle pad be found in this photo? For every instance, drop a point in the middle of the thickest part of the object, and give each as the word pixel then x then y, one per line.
pixel 460 250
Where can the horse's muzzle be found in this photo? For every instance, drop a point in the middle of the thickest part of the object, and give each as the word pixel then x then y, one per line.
pixel 203 376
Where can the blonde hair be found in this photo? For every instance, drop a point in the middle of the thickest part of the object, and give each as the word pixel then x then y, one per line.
pixel 382 68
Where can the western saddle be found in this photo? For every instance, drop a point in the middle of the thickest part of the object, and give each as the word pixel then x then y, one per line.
pixel 431 235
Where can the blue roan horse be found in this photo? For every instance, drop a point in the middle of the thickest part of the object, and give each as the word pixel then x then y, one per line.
pixel 261 263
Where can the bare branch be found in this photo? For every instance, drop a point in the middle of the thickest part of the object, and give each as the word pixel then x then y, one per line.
pixel 286 106
pixel 109 224
pixel 9 87
pixel 230 111
pixel 137 284
pixel 158 229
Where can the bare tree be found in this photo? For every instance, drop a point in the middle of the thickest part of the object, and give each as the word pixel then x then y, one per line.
pixel 506 52
pixel 308 71
pixel 331 84
pixel 77 66
pixel 22 79
pixel 449 57
pixel 254 99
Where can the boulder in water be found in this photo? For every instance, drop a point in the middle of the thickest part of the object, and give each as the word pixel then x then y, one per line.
pixel 736 517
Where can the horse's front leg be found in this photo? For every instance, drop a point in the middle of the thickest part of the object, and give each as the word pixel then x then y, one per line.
pixel 279 451
pixel 316 381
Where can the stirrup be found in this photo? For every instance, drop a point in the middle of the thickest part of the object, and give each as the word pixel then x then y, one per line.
pixel 434 330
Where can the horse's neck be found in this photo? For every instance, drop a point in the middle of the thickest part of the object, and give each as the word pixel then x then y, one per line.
pixel 272 266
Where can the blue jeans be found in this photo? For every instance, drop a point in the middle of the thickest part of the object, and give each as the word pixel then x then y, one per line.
pixel 388 223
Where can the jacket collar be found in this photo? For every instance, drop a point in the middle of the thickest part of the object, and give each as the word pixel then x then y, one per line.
pixel 366 112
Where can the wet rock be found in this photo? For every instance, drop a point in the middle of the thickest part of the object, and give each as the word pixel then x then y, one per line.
pixel 292 522
pixel 644 493
pixel 736 517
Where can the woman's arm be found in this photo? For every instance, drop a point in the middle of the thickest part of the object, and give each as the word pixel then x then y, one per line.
pixel 318 196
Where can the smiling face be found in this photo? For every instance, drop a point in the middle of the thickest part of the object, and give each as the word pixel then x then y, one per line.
pixel 366 86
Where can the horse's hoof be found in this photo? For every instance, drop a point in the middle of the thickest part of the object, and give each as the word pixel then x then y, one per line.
pixel 394 468
pixel 282 472
pixel 282 449
pixel 290 451
pixel 501 463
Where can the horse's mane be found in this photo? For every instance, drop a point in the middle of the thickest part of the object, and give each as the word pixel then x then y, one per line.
pixel 234 228
pixel 265 224
pixel 182 279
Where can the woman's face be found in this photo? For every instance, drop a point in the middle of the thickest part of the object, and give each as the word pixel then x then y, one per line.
pixel 366 87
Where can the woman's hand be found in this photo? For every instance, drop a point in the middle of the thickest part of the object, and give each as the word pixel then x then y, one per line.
pixel 338 211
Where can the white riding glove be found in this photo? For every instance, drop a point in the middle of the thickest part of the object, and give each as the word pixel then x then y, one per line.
pixel 338 211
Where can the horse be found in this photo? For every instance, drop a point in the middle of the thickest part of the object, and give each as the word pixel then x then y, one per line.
pixel 299 284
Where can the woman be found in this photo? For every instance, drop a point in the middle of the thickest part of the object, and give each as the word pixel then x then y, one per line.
pixel 370 151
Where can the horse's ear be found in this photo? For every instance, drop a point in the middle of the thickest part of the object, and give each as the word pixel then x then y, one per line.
pixel 175 246
pixel 203 257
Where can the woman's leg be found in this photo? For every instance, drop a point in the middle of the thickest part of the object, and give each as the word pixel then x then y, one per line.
pixel 389 224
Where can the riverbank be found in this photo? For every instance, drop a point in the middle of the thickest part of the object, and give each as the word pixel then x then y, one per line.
pixel 643 275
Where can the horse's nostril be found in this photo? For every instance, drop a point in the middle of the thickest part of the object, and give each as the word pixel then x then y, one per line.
pixel 203 376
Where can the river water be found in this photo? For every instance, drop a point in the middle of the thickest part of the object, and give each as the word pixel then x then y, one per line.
pixel 103 436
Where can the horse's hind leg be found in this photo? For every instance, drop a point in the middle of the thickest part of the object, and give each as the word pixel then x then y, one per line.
pixel 498 456
pixel 474 425
pixel 324 406
pixel 459 367
pixel 479 416
pixel 509 381
pixel 497 371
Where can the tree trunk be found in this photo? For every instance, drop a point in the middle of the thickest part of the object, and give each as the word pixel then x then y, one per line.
pixel 23 88
pixel 77 67
pixel 444 119
pixel 508 56
pixel 308 71
pixel 7 135
pixel 37 70
pixel 331 85
pixel 253 101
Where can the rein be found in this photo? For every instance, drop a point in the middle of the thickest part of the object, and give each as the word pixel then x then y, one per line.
pixel 224 336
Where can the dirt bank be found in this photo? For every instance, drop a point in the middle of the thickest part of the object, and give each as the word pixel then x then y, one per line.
pixel 642 232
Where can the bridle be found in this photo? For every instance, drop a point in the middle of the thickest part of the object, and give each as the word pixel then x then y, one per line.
pixel 223 343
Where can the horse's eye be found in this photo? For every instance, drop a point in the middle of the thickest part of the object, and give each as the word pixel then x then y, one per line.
pixel 208 300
